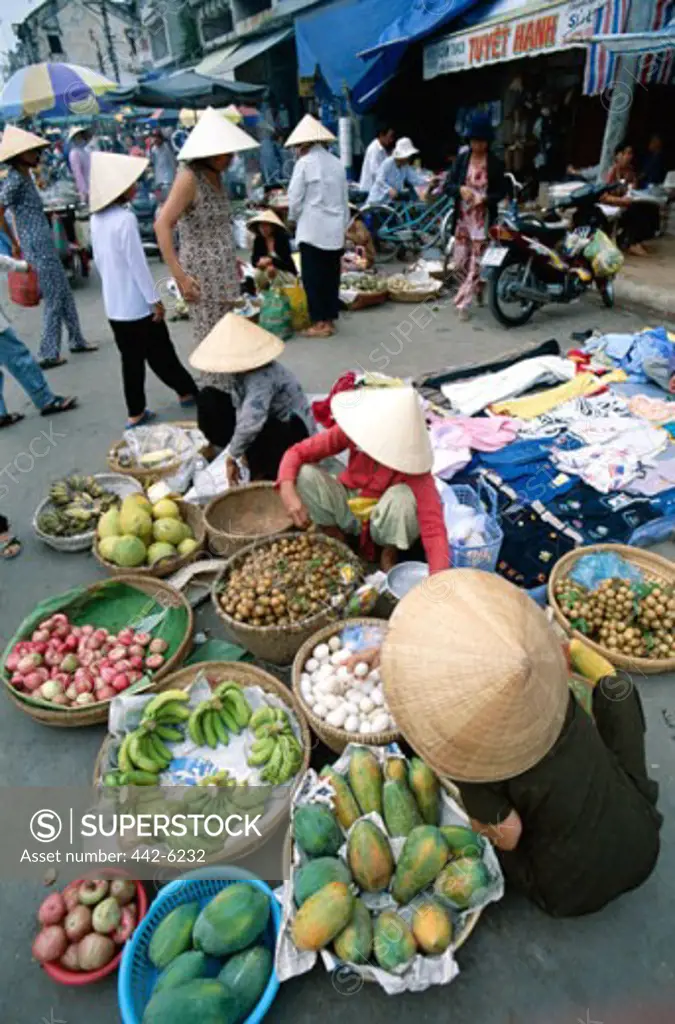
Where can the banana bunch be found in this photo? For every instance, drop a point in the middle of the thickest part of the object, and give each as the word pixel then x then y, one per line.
pixel 275 746
pixel 144 754
pixel 213 720
pixel 59 493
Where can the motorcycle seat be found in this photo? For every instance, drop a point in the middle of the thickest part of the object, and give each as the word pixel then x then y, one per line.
pixel 547 231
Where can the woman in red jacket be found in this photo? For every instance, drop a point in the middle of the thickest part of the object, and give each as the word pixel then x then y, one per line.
pixel 386 492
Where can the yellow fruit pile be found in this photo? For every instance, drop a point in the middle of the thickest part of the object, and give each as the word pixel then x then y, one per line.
pixel 138 533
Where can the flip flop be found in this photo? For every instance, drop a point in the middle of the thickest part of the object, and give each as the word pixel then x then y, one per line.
pixel 188 403
pixel 5 545
pixel 85 348
pixel 51 364
pixel 147 417
pixel 10 419
pixel 59 405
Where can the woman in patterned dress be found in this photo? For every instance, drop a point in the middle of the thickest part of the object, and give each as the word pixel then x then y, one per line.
pixel 477 184
pixel 205 269
pixel 32 239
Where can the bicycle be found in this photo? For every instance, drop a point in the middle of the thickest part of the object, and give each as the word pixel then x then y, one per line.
pixel 412 224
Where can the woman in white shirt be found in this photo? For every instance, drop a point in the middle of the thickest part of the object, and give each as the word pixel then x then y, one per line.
pixel 377 152
pixel 318 203
pixel 396 175
pixel 130 298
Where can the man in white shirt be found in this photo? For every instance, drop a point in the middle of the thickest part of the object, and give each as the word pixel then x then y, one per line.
pixel 377 152
pixel 318 203
pixel 130 299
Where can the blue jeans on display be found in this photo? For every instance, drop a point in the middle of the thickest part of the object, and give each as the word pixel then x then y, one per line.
pixel 17 358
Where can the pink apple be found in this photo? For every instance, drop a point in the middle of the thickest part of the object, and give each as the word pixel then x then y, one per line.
pixel 13 660
pixel 106 693
pixel 121 682
pixel 84 686
pixel 32 681
pixel 134 676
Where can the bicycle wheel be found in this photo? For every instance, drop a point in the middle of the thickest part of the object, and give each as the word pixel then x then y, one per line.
pixel 385 225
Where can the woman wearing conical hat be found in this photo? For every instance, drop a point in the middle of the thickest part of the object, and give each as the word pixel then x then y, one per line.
pixel 387 491
pixel 477 681
pixel 271 256
pixel 198 204
pixel 258 410
pixel 318 204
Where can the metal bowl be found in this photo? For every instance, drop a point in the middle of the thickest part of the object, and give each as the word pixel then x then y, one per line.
pixel 402 578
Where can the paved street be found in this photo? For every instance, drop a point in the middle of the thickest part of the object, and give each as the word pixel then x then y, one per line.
pixel 519 966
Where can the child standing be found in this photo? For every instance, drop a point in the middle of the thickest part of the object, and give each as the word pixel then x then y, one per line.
pixel 135 314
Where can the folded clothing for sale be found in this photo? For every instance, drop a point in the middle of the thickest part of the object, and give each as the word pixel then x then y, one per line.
pixel 612 466
pixel 472 396
pixel 656 478
pixel 577 411
pixel 536 405
pixel 602 518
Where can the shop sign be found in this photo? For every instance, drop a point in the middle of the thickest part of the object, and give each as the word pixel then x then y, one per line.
pixel 550 28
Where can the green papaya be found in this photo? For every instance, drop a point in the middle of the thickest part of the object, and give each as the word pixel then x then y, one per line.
pixel 316 831
pixel 369 856
pixel 245 977
pixel 232 920
pixel 426 789
pixel 432 927
pixel 460 880
pixel 393 942
pixel 323 916
pixel 346 807
pixel 173 935
pixel 313 875
pixel 462 842
pixel 201 1001
pixel 355 943
pixel 395 768
pixel 422 858
pixel 401 813
pixel 185 967
pixel 365 779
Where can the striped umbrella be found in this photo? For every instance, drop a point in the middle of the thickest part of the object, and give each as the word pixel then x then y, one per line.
pixel 53 89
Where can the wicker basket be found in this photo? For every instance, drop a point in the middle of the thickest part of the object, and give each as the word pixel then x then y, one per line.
pixel 336 739
pixel 415 297
pixel 365 300
pixel 115 482
pixel 244 516
pixel 194 517
pixel 94 714
pixel 277 644
pixel 654 567
pixel 147 477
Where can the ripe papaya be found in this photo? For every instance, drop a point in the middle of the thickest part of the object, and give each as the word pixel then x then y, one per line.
pixel 354 944
pixel 426 789
pixel 346 808
pixel 460 880
pixel 316 831
pixel 396 769
pixel 232 920
pixel 173 935
pixel 365 779
pixel 401 813
pixel 393 942
pixel 369 856
pixel 313 875
pixel 462 842
pixel 204 1000
pixel 432 927
pixel 323 916
pixel 245 977
pixel 422 858
pixel 185 967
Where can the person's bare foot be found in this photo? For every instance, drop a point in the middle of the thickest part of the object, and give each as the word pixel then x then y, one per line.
pixel 637 250
pixel 388 558
pixel 463 315
pixel 318 330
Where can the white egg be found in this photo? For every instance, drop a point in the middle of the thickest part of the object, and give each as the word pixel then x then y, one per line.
pixel 320 709
pixel 343 655
pixel 374 676
pixel 366 688
pixel 354 696
pixel 365 726
pixel 335 643
pixel 366 706
pixel 351 708
pixel 315 678
pixel 306 688
pixel 305 678
pixel 377 697
pixel 321 652
pixel 380 723
pixel 310 699
pixel 335 659
pixel 329 685
pixel 352 723
pixel 331 701
pixel 361 670
pixel 344 674
pixel 336 718
pixel 326 669
pixel 311 665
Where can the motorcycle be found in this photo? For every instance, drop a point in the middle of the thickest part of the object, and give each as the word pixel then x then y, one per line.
pixel 144 205
pixel 70 232
pixel 533 260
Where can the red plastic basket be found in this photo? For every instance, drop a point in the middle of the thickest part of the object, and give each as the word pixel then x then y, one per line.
pixel 64 977
pixel 24 288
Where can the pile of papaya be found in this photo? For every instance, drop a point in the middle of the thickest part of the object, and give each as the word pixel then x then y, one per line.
pixel 233 928
pixel 437 875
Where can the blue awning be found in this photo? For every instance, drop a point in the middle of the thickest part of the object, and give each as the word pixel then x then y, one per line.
pixel 421 18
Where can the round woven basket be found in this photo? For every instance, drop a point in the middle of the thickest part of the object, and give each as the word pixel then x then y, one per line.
pixel 114 482
pixel 147 477
pixel 94 714
pixel 336 739
pixel 244 516
pixel 654 568
pixel 194 517
pixel 278 644
pixel 415 297
pixel 365 300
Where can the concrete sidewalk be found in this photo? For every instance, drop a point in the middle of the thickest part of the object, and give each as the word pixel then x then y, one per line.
pixel 646 283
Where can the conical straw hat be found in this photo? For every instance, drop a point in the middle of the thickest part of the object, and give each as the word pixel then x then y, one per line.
pixel 214 135
pixel 16 141
pixel 111 175
pixel 267 217
pixel 236 345
pixel 387 424
pixel 475 676
pixel 76 130
pixel 309 130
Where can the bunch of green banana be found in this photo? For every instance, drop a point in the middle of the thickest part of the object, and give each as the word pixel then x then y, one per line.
pixel 143 753
pixel 166 713
pixel 227 711
pixel 275 746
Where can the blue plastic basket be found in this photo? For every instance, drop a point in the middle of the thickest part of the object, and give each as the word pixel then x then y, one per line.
pixel 483 556
pixel 137 975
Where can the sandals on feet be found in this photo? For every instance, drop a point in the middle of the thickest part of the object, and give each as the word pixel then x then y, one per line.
pixel 51 364
pixel 85 348
pixel 147 417
pixel 10 548
pixel 10 419
pixel 59 405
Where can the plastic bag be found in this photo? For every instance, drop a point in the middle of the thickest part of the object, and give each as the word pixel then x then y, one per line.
pixel 590 570
pixel 297 298
pixel 276 315
pixel 603 255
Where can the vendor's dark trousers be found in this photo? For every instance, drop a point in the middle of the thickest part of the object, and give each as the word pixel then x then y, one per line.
pixel 638 223
pixel 217 420
pixel 4 524
pixel 321 278
pixel 147 341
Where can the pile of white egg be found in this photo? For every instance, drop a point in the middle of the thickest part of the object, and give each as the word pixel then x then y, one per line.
pixel 344 699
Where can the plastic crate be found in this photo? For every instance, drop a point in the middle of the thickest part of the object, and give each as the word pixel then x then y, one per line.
pixel 137 975
pixel 483 556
